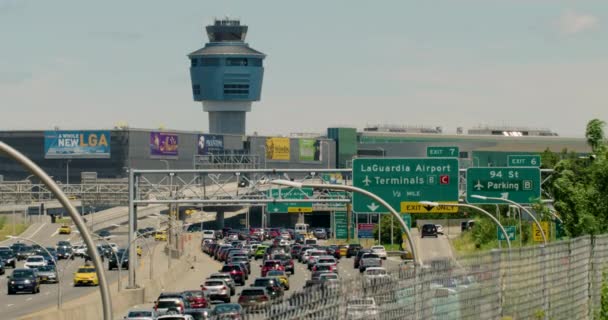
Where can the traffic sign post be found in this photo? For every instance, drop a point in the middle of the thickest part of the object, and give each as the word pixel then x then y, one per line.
pixel 365 230
pixel 519 184
pixel 523 160
pixel 511 230
pixel 408 219
pixel 442 152
pixel 290 207
pixel 405 180
pixel 341 221
pixel 536 235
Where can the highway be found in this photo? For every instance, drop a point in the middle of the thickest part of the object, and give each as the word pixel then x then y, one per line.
pixel 206 265
pixel 14 306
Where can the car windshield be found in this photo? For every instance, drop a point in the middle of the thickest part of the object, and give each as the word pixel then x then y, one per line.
pixel 230 268
pixel 214 283
pixel 369 256
pixel 252 292
pixel 323 267
pixel 328 276
pixel 139 314
pixel 271 263
pixel 281 257
pixel 5 254
pixel 162 304
pixel 23 273
pixel 219 276
pixel 196 294
pixel 86 270
pixel 262 282
pixel 46 268
pixel 327 261
pixel 35 259
pixel 276 273
pixel 227 307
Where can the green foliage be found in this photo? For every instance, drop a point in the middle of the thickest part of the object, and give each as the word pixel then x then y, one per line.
pixel 604 298
pixel 386 230
pixel 580 187
pixel 595 134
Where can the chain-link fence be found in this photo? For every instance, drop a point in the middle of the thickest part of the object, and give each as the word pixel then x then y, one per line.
pixel 559 281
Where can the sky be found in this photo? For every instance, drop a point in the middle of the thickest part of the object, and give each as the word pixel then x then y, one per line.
pixel 77 64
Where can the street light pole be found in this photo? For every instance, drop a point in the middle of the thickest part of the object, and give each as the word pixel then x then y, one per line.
pixel 67 172
pixel 106 299
pixel 364 192
pixel 264 155
pixel 464 205
pixel 542 232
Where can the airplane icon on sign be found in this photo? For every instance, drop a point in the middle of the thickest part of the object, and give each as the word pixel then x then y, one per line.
pixel 478 186
pixel 367 181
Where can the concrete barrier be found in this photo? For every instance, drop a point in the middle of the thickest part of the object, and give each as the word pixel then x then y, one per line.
pixel 89 306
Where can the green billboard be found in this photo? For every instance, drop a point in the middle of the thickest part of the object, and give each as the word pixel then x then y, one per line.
pixel 519 184
pixel 309 149
pixel 290 207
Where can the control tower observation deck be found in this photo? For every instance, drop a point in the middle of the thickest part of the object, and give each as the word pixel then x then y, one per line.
pixel 226 76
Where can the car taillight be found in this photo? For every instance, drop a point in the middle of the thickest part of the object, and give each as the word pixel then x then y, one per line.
pixel 203 288
pixel 224 288
pixel 263 298
pixel 233 271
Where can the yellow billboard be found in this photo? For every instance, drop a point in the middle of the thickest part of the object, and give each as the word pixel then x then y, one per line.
pixel 277 148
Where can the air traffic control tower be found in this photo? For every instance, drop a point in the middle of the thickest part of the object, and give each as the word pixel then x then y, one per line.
pixel 226 76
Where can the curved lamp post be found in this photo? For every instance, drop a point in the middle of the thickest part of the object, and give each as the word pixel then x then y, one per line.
pixel 464 205
pixel 542 232
pixel 392 210
pixel 54 261
pixel 106 300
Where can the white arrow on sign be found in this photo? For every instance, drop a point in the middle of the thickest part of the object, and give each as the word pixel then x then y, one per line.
pixel 504 195
pixel 373 207
pixel 366 181
pixel 276 209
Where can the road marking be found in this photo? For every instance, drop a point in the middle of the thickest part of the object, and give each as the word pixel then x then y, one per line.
pixel 9 305
pixel 28 299
pixel 55 233
pixel 37 230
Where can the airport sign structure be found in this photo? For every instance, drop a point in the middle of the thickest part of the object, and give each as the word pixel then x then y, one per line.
pixel 403 182
pixel 442 152
pixel 523 160
pixel 290 207
pixel 519 184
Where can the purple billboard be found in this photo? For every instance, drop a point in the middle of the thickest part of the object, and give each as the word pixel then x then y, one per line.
pixel 164 144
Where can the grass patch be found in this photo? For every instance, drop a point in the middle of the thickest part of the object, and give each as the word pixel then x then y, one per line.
pixel 64 221
pixel 465 244
pixel 7 230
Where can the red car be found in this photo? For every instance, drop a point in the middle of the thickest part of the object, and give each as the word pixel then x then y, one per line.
pixel 273 233
pixel 196 298
pixel 271 265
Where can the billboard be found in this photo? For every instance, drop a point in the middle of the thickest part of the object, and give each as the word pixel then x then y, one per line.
pixel 76 144
pixel 277 148
pixel 210 144
pixel 309 150
pixel 164 144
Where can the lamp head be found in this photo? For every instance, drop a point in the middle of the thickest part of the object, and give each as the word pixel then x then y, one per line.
pixel 287 183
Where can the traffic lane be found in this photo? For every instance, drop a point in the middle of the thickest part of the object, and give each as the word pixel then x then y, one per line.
pixel 434 248
pixel 19 305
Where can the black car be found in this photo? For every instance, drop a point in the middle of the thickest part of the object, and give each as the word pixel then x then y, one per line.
pixel 429 230
pixel 104 233
pixel 24 252
pixel 1 267
pixel 8 258
pixel 64 253
pixel 353 249
pixel 23 280
pixel 123 255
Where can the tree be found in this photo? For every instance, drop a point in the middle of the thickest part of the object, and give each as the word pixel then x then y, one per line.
pixel 595 134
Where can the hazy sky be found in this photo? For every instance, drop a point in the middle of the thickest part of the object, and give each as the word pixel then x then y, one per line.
pixel 92 64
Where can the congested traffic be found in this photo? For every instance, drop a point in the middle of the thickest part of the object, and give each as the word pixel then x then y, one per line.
pixel 260 268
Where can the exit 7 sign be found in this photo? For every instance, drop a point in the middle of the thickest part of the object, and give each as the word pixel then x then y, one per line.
pixel 442 152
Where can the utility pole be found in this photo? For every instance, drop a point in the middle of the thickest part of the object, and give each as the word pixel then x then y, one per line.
pixel 349 219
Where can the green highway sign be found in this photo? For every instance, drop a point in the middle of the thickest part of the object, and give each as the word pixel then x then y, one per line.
pixel 341 221
pixel 399 180
pixel 523 160
pixel 519 184
pixel 442 152
pixel 510 232
pixel 407 218
pixel 290 207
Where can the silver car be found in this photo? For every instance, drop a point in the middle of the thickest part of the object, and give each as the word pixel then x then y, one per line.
pixel 227 278
pixel 47 274
pixel 216 289
pixel 141 315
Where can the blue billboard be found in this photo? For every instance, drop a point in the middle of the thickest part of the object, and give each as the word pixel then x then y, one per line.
pixel 210 144
pixel 76 144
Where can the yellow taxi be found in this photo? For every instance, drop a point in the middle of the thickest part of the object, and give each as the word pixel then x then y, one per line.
pixel 343 249
pixel 86 275
pixel 160 236
pixel 282 277
pixel 65 229
pixel 139 251
pixel 190 211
